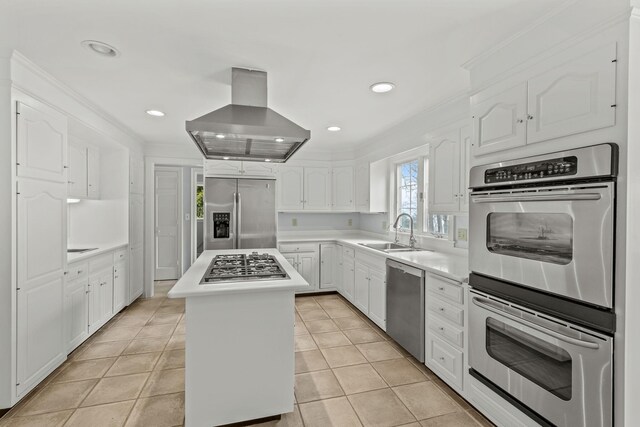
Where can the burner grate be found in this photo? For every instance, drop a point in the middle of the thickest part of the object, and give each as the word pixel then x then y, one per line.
pixel 242 267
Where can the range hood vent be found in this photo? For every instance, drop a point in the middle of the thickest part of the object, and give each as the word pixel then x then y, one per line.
pixel 247 129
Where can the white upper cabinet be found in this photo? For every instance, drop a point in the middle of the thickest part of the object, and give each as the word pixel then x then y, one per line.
pixel 238 169
pixel 576 97
pixel 290 188
pixel 77 177
pixel 258 169
pixel 93 173
pixel 136 173
pixel 41 143
pixel 371 187
pixel 343 188
pixel 317 188
pixel 444 173
pixel 499 121
pixel 465 165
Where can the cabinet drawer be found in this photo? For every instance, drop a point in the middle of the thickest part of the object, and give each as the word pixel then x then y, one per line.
pixel 99 263
pixel 449 289
pixel 298 247
pixel 378 262
pixel 444 360
pixel 446 331
pixel 120 255
pixel 348 252
pixel 77 271
pixel 443 309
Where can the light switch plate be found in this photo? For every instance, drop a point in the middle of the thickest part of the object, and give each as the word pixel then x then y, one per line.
pixel 384 225
pixel 294 222
pixel 462 234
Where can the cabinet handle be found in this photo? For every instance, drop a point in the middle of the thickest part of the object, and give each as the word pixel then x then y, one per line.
pixel 520 121
pixel 441 359
pixel 115 277
pixel 70 182
pixel 441 309
pixel 440 288
pixel 441 329
pixel 529 117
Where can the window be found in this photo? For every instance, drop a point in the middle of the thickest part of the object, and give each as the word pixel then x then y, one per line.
pixel 200 202
pixel 408 192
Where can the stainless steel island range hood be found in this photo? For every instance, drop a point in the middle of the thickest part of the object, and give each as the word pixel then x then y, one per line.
pixel 247 129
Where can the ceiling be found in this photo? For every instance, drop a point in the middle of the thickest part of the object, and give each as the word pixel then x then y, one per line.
pixel 320 55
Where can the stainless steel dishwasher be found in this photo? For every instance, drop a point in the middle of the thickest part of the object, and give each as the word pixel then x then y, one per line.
pixel 405 307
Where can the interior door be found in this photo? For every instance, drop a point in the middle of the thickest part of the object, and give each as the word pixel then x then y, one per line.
pixel 167 223
pixel 256 213
pixel 41 260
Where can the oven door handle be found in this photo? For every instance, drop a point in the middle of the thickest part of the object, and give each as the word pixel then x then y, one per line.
pixel 482 303
pixel 537 198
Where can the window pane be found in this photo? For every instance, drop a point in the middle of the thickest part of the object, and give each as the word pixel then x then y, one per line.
pixel 438 225
pixel 199 202
pixel 408 192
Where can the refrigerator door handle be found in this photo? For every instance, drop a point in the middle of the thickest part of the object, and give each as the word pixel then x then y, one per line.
pixel 235 216
pixel 239 230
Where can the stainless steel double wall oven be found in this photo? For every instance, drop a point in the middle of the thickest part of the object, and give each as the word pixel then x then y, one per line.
pixel 542 305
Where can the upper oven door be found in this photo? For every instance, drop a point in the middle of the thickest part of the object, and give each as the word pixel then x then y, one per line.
pixel 555 239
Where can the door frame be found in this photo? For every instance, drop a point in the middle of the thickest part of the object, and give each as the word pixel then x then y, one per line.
pixel 194 218
pixel 180 214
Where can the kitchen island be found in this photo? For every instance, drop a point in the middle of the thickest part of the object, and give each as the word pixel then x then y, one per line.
pixel 239 363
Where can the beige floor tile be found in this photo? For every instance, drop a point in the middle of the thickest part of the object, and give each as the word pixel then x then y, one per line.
pixel 331 339
pixel 451 393
pixel 456 419
pixel 363 336
pixel 117 334
pixel 146 345
pixel 297 319
pixel 398 372
pixel 181 329
pixel 380 408
pixel 109 415
pixel 177 342
pixel 339 312
pixel 85 370
pixel 307 361
pixel 329 412
pixel 422 368
pixel 164 319
pixel 332 303
pixel 170 309
pixel 171 359
pixel 300 329
pixel 133 364
pixel 318 326
pixel 308 303
pixel 101 350
pixel 377 351
pixel 343 356
pixel 425 400
pixel 127 320
pixel 317 385
pixel 156 331
pixel 345 323
pixel 58 396
pixel 116 389
pixel 158 411
pixel 164 382
pixel 305 343
pixel 53 419
pixel 308 315
pixel 359 378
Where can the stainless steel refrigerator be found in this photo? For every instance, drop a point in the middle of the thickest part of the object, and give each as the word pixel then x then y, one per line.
pixel 239 213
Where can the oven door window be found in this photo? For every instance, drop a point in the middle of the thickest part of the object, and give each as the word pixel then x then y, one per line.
pixel 545 237
pixel 543 363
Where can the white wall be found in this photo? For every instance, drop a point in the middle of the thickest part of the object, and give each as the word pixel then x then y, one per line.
pixel 318 221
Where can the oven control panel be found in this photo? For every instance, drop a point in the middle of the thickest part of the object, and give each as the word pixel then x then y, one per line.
pixel 553 168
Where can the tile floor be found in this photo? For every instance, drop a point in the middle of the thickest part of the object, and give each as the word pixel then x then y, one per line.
pixel 348 373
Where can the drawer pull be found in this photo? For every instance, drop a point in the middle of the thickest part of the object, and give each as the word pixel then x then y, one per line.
pixel 441 328
pixel 441 358
pixel 441 288
pixel 441 309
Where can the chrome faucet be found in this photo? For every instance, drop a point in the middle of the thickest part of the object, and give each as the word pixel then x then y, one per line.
pixel 412 239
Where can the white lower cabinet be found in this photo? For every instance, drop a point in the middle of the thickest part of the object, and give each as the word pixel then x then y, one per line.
pixel 100 292
pixel 361 297
pixel 328 266
pixel 304 258
pixel 378 297
pixel 339 267
pixel 136 270
pixel 76 305
pixel 370 293
pixel 348 278
pixel 120 280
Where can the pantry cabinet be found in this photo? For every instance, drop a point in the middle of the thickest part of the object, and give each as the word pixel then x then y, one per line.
pixel 136 173
pixel 342 182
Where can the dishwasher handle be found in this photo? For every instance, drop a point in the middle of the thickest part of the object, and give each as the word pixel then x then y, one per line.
pixel 405 268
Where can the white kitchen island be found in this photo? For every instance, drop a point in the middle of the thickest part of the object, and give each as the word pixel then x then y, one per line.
pixel 239 362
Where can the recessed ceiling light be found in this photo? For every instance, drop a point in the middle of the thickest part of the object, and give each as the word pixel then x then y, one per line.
pixel 382 87
pixel 333 128
pixel 225 158
pixel 101 48
pixel 267 160
pixel 155 113
pixel 279 140
pixel 220 136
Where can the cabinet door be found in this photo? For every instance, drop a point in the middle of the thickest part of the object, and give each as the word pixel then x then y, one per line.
pixel 575 97
pixel 499 121
pixel 339 268
pixel 77 176
pixel 94 300
pixel 444 174
pixel 317 189
pixel 222 168
pixel 136 272
pixel 307 267
pixel 290 188
pixel 106 296
pixel 41 143
pixel 465 155
pixel 343 194
pixel 361 296
pixel 348 278
pixel 136 174
pixel 120 285
pixel 327 266
pixel 362 188
pixel 41 262
pixel 292 259
pixel 378 297
pixel 136 219
pixel 77 311
pixel 258 169
pixel 93 173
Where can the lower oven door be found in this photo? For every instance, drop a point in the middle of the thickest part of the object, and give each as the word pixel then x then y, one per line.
pixel 557 240
pixel 561 373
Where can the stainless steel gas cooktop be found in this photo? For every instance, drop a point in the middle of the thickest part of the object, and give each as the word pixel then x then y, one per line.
pixel 243 267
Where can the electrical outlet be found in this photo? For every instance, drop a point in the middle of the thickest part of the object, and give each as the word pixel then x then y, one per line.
pixel 294 222
pixel 384 225
pixel 350 222
pixel 462 234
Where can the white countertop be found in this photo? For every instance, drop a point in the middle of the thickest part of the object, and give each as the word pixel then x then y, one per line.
pixel 450 265
pixel 189 285
pixel 101 248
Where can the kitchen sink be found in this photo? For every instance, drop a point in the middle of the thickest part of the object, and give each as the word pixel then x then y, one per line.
pixel 80 250
pixel 391 247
